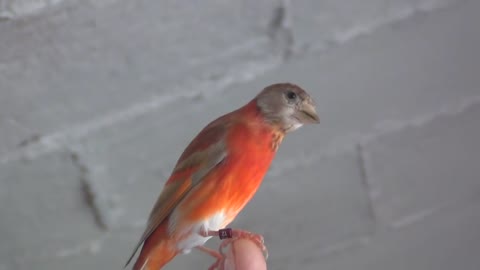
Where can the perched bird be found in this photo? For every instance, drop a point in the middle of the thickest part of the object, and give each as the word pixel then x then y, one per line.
pixel 218 173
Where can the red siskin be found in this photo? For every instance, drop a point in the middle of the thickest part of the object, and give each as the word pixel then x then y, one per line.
pixel 218 173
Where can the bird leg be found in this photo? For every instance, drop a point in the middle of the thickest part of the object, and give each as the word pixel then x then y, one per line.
pixel 231 235
pixel 219 263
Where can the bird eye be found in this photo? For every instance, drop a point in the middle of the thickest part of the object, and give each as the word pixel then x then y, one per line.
pixel 291 95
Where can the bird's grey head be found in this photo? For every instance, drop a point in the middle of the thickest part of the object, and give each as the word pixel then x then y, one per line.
pixel 287 105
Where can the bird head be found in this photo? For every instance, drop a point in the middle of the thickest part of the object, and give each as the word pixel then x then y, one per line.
pixel 287 106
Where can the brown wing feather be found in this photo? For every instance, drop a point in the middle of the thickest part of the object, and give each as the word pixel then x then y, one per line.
pixel 189 171
pixel 171 195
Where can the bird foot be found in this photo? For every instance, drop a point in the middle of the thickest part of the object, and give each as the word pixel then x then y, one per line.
pixel 219 263
pixel 229 235
pixel 242 234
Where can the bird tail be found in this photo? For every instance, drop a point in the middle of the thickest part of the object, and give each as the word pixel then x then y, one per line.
pixel 157 251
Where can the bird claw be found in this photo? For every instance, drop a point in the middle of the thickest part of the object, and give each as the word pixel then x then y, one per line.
pixel 219 263
pixel 229 236
pixel 242 234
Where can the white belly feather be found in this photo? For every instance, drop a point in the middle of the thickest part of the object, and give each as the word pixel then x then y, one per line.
pixel 194 239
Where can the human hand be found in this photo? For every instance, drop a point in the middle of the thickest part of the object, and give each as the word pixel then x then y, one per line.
pixel 244 254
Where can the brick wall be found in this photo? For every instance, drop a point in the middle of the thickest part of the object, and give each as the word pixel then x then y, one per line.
pixel 98 99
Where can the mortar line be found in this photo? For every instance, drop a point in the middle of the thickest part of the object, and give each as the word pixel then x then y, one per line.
pixel 88 190
pixel 360 153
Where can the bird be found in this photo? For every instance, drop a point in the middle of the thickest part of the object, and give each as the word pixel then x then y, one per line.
pixel 218 174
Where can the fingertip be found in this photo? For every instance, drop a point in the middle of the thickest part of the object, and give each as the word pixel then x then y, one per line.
pixel 244 254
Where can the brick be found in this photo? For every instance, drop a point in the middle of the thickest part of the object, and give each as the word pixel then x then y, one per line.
pixel 420 169
pixel 42 208
pixel 443 241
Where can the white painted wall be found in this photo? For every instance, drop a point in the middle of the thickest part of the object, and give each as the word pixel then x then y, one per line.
pixel 105 95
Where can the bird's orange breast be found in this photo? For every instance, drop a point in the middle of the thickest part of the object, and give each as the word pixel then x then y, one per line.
pixel 247 164
pixel 251 149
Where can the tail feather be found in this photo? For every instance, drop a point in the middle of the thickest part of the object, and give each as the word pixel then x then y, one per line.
pixel 156 252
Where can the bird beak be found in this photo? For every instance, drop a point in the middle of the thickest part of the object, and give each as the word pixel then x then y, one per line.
pixel 307 114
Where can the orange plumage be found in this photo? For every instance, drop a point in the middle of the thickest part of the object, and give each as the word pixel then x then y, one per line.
pixel 219 172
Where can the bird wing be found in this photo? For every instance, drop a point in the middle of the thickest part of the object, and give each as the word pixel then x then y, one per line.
pixel 204 153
